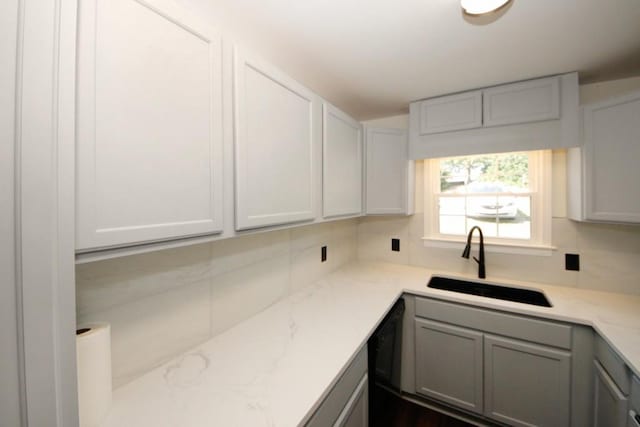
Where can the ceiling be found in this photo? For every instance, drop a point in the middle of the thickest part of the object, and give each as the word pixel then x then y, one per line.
pixel 371 58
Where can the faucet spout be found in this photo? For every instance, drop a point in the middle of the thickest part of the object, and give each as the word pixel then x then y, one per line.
pixel 467 251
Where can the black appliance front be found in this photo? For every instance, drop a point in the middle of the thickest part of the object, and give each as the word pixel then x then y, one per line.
pixel 385 354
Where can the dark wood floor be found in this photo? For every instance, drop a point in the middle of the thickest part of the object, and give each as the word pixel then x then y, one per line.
pixel 392 411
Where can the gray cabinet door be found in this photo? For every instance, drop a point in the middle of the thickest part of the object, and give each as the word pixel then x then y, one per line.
pixel 526 384
pixel 610 404
pixel 449 364
pixel 356 411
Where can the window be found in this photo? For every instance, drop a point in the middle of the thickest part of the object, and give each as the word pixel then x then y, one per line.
pixel 507 195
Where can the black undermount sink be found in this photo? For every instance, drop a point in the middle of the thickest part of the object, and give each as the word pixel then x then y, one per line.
pixel 526 296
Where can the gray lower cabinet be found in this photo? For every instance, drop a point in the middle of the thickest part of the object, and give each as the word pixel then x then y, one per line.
pixel 633 419
pixel 526 384
pixel 610 404
pixel 511 369
pixel 347 404
pixel 449 364
pixel 356 412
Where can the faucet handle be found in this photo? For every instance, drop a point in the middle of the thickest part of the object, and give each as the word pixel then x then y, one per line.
pixel 476 260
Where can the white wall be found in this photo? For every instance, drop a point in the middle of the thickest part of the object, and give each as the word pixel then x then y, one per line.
pixel 9 384
pixel 602 90
pixel 608 253
pixel 161 304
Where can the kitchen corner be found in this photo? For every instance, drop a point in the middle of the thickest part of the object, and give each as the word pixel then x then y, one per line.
pixel 215 206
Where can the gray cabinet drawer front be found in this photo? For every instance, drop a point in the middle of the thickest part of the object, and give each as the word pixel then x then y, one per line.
pixel 614 366
pixel 610 405
pixel 539 331
pixel 332 406
pixel 356 413
pixel 635 394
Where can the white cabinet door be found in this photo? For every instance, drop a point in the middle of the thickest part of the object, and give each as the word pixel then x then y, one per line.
pixel 341 164
pixel 611 153
pixel 149 122
pixel 450 113
pixel 389 174
pixel 523 102
pixel 274 146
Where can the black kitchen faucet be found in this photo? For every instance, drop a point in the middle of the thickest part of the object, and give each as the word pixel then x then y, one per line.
pixel 467 250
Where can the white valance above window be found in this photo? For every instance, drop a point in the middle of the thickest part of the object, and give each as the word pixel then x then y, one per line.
pixel 530 115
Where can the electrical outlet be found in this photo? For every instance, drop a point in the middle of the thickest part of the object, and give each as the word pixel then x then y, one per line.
pixel 395 245
pixel 323 254
pixel 572 262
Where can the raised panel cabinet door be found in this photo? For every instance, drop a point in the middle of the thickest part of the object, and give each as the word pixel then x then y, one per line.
pixel 387 171
pixel 526 384
pixel 149 124
pixel 610 404
pixel 341 164
pixel 356 411
pixel 274 145
pixel 611 153
pixel 523 102
pixel 450 113
pixel 449 364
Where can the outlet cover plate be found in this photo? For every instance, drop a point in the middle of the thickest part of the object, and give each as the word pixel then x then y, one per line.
pixel 572 262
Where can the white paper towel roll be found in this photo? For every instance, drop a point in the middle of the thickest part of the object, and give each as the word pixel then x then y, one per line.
pixel 93 352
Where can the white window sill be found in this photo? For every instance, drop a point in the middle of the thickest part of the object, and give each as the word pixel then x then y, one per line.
pixel 504 248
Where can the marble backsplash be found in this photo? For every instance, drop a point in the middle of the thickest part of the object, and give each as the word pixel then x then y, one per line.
pixel 609 254
pixel 160 304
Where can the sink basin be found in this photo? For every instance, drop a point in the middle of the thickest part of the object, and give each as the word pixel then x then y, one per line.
pixel 525 296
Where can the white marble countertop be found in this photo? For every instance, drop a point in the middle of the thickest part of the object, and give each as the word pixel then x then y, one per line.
pixel 275 368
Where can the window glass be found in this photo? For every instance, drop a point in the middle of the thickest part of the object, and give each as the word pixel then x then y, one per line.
pixel 491 191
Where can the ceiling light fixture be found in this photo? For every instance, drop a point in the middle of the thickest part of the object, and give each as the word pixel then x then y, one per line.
pixel 480 7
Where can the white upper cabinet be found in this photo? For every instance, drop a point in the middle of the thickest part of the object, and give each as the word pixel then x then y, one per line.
pixel 529 115
pixel 449 113
pixel 523 102
pixel 605 172
pixel 341 164
pixel 389 174
pixel 275 134
pixel 149 124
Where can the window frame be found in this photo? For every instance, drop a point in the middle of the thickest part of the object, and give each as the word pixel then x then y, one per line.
pixel 540 184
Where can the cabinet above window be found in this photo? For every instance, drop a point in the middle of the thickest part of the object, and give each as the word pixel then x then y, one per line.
pixel 450 113
pixel 529 115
